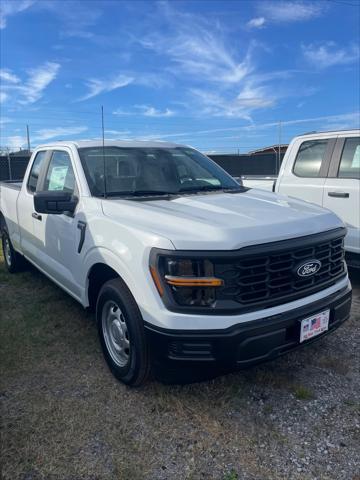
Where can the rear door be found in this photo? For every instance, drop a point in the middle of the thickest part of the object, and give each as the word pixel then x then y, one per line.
pixel 342 188
pixel 304 177
pixel 25 205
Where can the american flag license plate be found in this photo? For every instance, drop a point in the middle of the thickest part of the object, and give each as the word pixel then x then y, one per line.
pixel 312 326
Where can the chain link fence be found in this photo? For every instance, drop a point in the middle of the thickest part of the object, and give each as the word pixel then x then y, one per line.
pixel 13 166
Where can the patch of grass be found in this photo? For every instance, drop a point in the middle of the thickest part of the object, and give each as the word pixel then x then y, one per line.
pixel 303 393
pixel 232 475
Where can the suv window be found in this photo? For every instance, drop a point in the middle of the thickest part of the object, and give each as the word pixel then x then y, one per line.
pixel 35 171
pixel 60 175
pixel 309 158
pixel 350 159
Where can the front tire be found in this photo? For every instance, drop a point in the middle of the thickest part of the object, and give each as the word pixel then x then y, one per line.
pixel 121 333
pixel 14 262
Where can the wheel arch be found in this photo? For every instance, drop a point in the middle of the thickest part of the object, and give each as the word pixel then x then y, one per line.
pixel 98 275
pixel 2 222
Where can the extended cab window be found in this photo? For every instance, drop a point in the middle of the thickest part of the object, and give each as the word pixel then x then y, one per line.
pixel 309 158
pixel 60 175
pixel 350 159
pixel 35 171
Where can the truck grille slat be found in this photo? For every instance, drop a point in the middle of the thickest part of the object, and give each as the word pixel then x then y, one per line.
pixel 266 280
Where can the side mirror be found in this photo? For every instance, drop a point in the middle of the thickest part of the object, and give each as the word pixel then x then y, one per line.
pixel 55 202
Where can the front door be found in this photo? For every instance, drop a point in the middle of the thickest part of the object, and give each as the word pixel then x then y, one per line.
pixel 57 235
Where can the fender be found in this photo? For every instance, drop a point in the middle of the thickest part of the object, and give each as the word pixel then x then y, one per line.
pixel 125 270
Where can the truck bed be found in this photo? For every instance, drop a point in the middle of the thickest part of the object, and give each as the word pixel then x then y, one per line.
pixel 16 184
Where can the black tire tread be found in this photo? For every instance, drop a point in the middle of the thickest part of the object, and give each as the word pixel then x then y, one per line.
pixel 118 288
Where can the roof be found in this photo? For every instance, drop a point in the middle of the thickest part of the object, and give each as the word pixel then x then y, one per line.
pixel 349 130
pixel 114 143
pixel 271 147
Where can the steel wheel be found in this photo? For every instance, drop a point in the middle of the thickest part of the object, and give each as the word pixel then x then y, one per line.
pixel 115 333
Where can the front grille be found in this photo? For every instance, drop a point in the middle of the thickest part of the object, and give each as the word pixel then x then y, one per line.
pixel 265 275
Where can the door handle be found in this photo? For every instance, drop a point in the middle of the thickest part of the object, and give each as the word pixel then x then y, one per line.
pixel 36 216
pixel 82 227
pixel 338 194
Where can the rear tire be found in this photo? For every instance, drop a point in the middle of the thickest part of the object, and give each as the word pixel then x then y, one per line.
pixel 121 333
pixel 14 262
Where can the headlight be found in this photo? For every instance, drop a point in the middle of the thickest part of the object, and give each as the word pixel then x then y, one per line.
pixel 189 282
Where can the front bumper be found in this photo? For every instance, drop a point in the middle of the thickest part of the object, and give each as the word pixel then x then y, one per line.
pixel 176 354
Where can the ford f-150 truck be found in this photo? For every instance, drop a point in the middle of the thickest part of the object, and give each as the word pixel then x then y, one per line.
pixel 323 168
pixel 187 270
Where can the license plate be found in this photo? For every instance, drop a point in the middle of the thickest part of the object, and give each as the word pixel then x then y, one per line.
pixel 312 326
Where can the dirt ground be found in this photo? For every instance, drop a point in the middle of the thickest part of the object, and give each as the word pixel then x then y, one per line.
pixel 64 417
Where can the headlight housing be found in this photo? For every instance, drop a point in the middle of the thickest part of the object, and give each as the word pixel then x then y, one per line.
pixel 185 281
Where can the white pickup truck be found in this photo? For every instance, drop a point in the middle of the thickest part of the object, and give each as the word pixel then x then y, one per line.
pixel 323 168
pixel 188 272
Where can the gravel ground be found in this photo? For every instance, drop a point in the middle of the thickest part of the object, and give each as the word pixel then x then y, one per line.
pixel 64 417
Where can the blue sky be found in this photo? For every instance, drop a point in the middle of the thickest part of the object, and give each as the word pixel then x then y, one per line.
pixel 218 75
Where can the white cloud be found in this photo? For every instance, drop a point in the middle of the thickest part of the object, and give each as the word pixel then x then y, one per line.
pixel 347 120
pixel 196 48
pixel 97 86
pixel 39 78
pixel 146 111
pixel 48 133
pixel 224 81
pixel 32 89
pixel 7 76
pixel 18 141
pixel 257 22
pixel 12 7
pixel 329 54
pixel 290 11
pixel 149 111
pixel 252 96
pixel 15 142
pixel 120 133
pixel 120 111
pixel 4 120
pixel 3 97
pixel 77 19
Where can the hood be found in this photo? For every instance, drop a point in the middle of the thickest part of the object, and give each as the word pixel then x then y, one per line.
pixel 224 221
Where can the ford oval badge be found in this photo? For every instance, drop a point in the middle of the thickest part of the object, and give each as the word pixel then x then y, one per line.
pixel 309 268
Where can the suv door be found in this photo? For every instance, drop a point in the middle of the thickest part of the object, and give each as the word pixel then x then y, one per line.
pixel 57 235
pixel 342 188
pixel 305 177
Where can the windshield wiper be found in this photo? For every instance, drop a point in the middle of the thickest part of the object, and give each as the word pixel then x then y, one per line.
pixel 210 188
pixel 139 193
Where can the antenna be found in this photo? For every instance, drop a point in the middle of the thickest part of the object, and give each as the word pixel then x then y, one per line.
pixel 28 137
pixel 103 147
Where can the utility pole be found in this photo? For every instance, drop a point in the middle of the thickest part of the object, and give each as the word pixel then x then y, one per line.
pixel 279 157
pixel 28 137
pixel 9 163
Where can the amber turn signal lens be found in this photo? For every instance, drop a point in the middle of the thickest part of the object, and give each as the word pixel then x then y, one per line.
pixel 157 281
pixel 193 281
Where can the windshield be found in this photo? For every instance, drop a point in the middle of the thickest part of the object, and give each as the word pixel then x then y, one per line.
pixel 146 171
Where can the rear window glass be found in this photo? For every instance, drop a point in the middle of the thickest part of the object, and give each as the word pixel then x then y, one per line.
pixel 350 159
pixel 309 158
